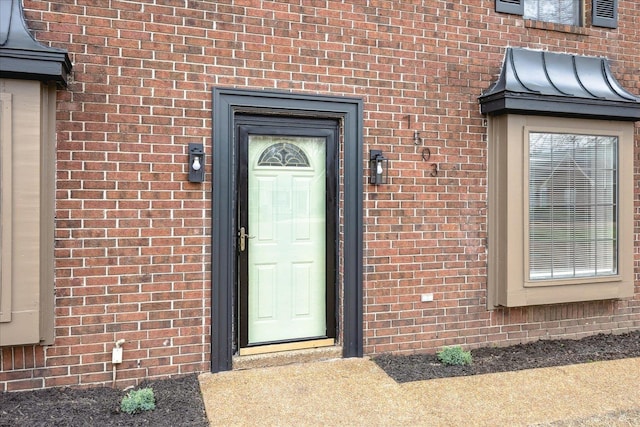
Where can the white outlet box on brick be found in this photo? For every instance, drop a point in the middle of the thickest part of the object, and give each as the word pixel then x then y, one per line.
pixel 117 355
pixel 426 297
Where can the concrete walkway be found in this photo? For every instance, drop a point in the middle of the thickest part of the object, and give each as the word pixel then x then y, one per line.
pixel 355 392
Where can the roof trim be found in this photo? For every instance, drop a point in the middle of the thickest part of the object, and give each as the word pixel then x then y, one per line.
pixel 561 84
pixel 21 56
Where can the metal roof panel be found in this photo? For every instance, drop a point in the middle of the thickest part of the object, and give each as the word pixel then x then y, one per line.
pixel 541 82
pixel 21 56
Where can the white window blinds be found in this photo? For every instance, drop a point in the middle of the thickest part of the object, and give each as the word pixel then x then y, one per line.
pixel 572 205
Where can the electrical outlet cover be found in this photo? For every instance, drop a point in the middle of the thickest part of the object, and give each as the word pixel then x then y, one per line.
pixel 426 297
pixel 117 355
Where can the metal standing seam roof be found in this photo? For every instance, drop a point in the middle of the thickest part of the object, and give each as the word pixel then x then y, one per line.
pixel 559 84
pixel 21 56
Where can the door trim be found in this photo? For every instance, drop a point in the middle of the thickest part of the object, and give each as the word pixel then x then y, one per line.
pixel 227 103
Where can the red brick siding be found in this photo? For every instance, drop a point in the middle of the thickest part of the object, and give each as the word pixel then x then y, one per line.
pixel 133 236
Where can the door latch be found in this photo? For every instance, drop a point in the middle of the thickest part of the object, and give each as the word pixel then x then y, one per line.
pixel 242 236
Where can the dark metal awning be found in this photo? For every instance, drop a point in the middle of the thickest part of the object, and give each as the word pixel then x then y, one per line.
pixel 22 57
pixel 558 84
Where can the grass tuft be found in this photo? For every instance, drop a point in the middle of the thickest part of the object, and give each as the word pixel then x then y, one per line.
pixel 138 401
pixel 455 356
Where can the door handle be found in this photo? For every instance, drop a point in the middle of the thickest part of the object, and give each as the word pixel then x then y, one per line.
pixel 242 236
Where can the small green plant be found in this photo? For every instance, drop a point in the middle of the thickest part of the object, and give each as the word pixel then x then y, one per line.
pixel 454 356
pixel 138 401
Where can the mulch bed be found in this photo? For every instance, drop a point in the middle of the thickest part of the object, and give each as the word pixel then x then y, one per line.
pixel 539 354
pixel 179 402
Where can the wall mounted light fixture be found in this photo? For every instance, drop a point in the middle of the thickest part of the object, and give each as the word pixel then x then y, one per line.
pixel 379 166
pixel 196 162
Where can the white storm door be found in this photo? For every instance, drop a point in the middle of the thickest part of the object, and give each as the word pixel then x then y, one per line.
pixel 286 243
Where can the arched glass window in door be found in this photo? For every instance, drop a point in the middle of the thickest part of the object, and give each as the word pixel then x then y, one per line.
pixel 283 154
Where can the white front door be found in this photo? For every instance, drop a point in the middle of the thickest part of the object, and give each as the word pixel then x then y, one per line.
pixel 286 238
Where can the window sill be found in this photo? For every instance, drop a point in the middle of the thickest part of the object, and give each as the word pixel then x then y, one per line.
pixel 552 26
pixel 572 281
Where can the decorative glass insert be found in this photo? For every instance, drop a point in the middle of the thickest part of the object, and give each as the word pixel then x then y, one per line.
pixel 283 154
pixel 573 202
pixel 558 11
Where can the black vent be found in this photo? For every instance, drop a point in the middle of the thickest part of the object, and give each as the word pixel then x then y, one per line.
pixel 515 7
pixel 604 9
pixel 605 13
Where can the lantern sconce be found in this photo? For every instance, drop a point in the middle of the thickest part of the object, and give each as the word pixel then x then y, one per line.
pixel 196 162
pixel 379 168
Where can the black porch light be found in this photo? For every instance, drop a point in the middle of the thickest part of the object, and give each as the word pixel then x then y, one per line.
pixel 379 166
pixel 196 162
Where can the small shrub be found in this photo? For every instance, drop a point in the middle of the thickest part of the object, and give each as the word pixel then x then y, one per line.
pixel 138 401
pixel 454 356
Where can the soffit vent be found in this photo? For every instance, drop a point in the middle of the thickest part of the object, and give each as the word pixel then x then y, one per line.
pixel 21 56
pixel 557 84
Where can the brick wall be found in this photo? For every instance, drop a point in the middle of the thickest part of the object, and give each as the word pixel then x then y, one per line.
pixel 133 236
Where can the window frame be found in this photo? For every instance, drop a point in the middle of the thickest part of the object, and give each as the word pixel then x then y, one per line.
pixel 508 221
pixel 529 282
pixel 580 14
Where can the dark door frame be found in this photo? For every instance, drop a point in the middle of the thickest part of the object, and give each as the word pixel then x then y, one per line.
pixel 227 103
pixel 285 126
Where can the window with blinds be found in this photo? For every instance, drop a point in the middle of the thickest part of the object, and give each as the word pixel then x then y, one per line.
pixel 572 206
pixel 604 12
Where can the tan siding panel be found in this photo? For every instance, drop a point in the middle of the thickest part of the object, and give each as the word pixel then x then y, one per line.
pixel 25 269
pixel 5 206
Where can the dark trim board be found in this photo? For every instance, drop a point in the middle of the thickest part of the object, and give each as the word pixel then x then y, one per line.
pixel 227 103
